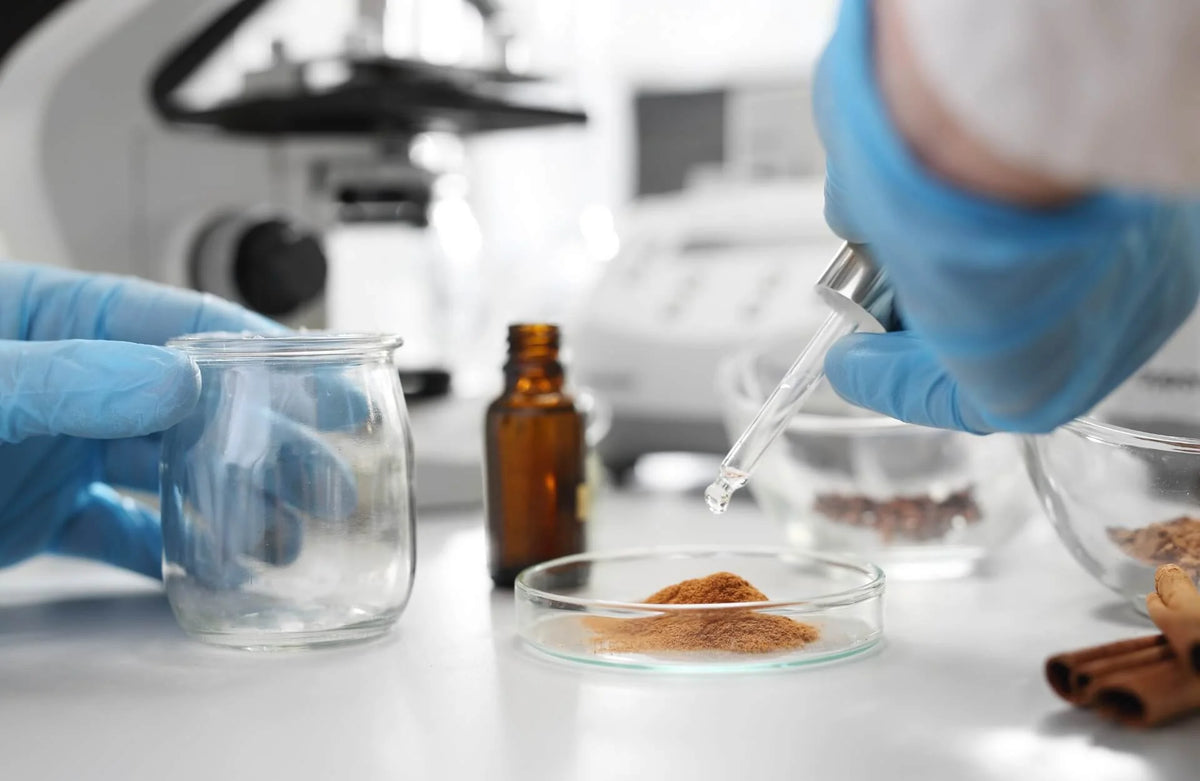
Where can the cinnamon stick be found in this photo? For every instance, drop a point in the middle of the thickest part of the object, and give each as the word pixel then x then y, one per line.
pixel 1062 670
pixel 1090 676
pixel 1145 681
pixel 1175 609
pixel 1149 695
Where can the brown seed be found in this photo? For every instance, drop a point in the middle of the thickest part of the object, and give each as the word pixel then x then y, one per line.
pixel 904 518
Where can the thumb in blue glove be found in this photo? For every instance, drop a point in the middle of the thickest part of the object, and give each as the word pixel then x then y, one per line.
pixel 92 388
pixel 85 387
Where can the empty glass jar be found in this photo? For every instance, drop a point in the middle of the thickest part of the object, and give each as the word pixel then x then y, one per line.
pixel 287 494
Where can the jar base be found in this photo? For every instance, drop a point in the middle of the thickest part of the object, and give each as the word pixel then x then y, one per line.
pixel 258 640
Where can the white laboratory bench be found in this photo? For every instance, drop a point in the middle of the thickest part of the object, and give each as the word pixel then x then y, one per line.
pixel 97 682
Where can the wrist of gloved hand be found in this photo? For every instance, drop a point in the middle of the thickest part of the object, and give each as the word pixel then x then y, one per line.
pixel 1020 318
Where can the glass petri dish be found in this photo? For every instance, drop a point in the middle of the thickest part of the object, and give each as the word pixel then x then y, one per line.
pixel 587 608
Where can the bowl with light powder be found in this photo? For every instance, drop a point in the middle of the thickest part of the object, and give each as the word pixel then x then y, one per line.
pixel 1122 488
pixel 700 609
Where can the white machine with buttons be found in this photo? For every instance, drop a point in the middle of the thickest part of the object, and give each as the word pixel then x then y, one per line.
pixel 702 274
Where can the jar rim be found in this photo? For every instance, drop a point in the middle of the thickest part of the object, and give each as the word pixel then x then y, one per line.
pixel 227 345
pixel 1098 430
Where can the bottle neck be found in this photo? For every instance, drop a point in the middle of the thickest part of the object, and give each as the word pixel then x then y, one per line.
pixel 533 376
pixel 533 366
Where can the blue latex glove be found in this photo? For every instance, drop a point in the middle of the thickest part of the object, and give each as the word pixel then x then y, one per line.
pixel 84 390
pixel 247 467
pixel 1017 319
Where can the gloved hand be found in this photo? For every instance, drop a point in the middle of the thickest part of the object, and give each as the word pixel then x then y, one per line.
pixel 1017 319
pixel 85 390
pixel 247 471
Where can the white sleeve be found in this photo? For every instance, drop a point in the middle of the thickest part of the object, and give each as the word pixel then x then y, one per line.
pixel 1101 92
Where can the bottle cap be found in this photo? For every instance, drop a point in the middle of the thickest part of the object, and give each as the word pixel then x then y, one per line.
pixel 533 336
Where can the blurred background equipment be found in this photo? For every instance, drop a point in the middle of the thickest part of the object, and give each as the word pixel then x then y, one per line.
pixel 395 165
pixel 127 155
pixel 321 187
pixel 701 274
pixel 719 248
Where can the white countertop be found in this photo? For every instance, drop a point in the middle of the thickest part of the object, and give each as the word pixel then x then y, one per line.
pixel 97 682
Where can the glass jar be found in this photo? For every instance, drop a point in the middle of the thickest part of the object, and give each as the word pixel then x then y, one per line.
pixel 287 500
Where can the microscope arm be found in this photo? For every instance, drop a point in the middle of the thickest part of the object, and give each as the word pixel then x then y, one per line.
pixel 188 56
pixel 20 17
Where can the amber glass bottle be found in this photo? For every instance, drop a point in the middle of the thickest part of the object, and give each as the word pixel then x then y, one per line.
pixel 536 484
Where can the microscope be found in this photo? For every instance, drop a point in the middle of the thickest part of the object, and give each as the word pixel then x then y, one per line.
pixel 107 168
pixel 303 194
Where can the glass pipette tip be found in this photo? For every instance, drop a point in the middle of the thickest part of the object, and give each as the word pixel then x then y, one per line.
pixel 805 373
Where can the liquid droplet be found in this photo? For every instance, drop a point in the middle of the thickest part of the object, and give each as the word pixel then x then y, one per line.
pixel 718 494
pixel 717 497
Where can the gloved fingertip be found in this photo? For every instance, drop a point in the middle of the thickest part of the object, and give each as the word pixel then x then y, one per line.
pixel 282 538
pixel 93 388
pixel 341 408
pixel 895 375
pixel 842 366
pixel 188 376
pixel 113 529
pixel 835 209
pixel 172 382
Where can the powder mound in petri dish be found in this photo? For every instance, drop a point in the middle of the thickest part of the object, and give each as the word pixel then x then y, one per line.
pixel 1168 542
pixel 718 588
pixel 737 631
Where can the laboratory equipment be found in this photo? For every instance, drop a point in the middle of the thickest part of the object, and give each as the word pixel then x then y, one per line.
pixel 112 164
pixel 922 503
pixel 859 298
pixel 700 274
pixel 390 269
pixel 258 187
pixel 566 606
pixel 535 459
pixel 1122 485
pixel 287 501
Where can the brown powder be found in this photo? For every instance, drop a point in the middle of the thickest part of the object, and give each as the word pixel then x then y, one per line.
pixel 1168 542
pixel 736 631
pixel 716 589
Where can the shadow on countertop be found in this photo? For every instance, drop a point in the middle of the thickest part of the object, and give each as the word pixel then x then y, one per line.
pixel 1122 614
pixel 1169 750
pixel 82 620
pixel 100 645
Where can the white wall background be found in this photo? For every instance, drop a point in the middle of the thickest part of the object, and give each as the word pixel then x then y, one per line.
pixel 531 188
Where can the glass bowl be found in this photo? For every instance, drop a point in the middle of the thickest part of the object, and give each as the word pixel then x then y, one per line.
pixel 923 503
pixel 1124 498
pixel 589 608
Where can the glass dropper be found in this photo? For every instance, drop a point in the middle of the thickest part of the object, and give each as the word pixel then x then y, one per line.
pixel 860 299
